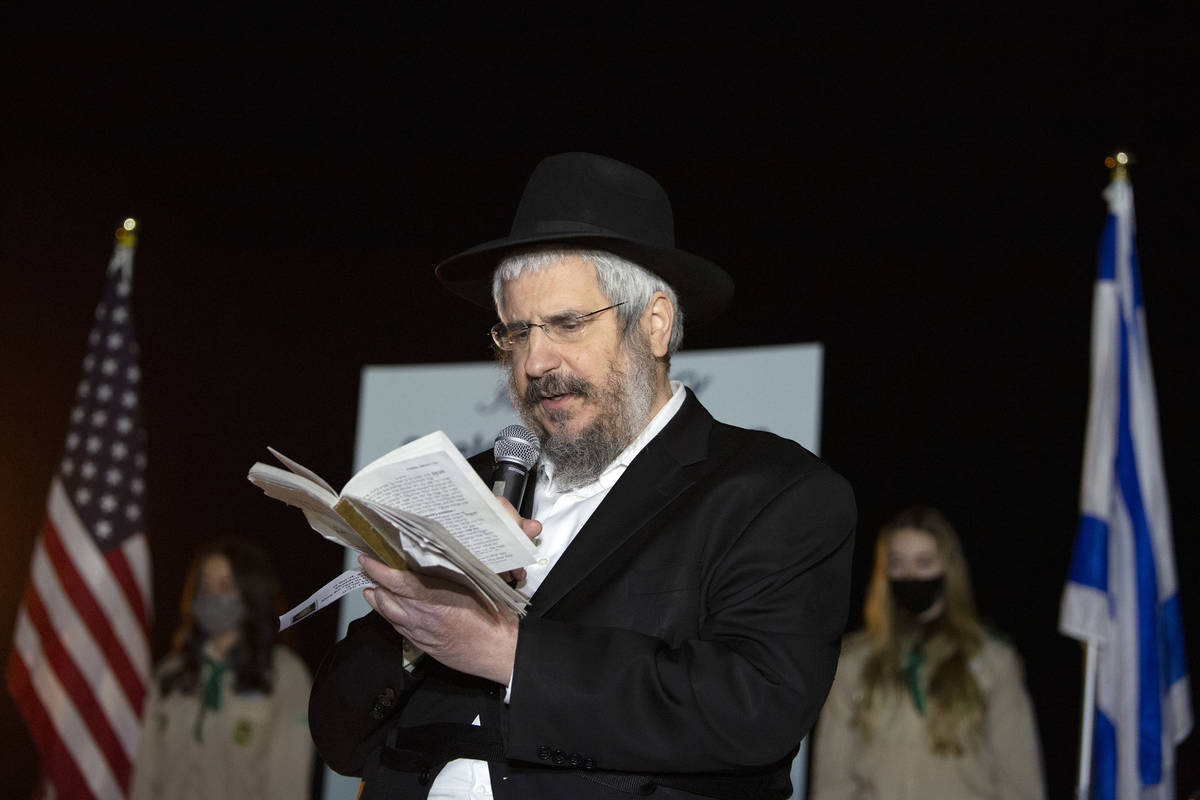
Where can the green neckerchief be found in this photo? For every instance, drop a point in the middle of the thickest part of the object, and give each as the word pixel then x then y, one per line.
pixel 912 671
pixel 210 694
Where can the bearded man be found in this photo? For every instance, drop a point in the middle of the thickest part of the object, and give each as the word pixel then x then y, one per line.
pixel 693 577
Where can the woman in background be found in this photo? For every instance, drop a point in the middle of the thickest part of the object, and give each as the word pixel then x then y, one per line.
pixel 926 702
pixel 226 717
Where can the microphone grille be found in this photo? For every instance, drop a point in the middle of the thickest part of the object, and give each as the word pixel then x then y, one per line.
pixel 517 443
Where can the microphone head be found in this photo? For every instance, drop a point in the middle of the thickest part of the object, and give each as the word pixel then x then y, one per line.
pixel 518 444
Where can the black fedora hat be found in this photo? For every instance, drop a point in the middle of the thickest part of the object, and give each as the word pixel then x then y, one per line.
pixel 590 201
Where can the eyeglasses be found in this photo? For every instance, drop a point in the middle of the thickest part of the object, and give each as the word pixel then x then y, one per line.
pixel 563 328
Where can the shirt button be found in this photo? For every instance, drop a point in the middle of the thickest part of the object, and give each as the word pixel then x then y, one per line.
pixel 543 562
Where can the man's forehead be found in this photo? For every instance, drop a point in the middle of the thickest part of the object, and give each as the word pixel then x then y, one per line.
pixel 567 283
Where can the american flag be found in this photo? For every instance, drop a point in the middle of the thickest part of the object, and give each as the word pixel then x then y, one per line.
pixel 81 652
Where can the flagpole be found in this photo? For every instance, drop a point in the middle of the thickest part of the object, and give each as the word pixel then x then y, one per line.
pixel 1083 785
pixel 1118 170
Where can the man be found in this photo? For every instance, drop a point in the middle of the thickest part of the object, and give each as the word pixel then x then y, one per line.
pixel 693 577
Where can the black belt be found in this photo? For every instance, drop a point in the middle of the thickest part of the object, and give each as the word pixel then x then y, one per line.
pixel 419 749
pixel 425 749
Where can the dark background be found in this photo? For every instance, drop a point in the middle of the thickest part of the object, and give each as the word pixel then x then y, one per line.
pixel 921 194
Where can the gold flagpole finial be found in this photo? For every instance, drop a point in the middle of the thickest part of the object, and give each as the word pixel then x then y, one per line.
pixel 1118 163
pixel 126 232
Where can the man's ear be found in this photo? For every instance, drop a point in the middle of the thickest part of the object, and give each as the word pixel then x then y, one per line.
pixel 657 322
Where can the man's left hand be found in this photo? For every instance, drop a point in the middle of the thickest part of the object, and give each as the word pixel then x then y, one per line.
pixel 445 620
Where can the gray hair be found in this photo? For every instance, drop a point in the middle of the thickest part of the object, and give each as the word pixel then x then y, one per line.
pixel 619 279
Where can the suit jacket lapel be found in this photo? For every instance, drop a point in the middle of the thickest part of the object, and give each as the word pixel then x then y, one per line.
pixel 658 475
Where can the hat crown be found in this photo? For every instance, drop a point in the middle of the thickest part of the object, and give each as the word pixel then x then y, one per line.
pixel 582 192
pixel 583 200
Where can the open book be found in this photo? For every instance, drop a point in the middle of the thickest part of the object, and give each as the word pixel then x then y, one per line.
pixel 420 507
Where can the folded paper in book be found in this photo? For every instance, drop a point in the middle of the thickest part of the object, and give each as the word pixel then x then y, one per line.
pixel 420 507
pixel 331 592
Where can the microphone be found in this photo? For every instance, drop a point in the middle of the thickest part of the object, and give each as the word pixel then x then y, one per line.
pixel 516 451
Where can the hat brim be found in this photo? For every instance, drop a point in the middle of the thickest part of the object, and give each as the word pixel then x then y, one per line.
pixel 704 289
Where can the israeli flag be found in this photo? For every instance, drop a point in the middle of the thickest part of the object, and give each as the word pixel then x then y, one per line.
pixel 1121 593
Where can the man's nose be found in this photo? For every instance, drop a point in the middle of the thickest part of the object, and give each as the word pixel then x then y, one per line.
pixel 541 354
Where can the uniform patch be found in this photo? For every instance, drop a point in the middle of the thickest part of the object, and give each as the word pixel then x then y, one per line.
pixel 243 732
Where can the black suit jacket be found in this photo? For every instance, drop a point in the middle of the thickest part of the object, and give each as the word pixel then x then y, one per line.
pixel 685 640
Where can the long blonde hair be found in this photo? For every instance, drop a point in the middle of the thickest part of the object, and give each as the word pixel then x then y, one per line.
pixel 956 705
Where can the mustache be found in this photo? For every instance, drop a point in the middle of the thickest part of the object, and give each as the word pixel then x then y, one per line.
pixel 553 384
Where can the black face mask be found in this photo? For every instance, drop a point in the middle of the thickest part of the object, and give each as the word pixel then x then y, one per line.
pixel 916 595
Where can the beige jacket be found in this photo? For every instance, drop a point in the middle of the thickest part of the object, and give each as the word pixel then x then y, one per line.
pixel 897 762
pixel 255 747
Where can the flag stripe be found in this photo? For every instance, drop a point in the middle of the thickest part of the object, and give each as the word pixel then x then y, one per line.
pixel 137 558
pixel 1107 254
pixel 78 687
pixel 1135 272
pixel 94 619
pixel 71 735
pixel 93 569
pixel 56 758
pixel 1149 671
pixel 77 639
pixel 123 574
pixel 1172 634
pixel 1089 560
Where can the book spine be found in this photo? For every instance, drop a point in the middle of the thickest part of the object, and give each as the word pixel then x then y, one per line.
pixel 386 553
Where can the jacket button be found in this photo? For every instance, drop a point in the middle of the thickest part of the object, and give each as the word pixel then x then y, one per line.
pixel 559 757
pixel 543 753
pixel 589 763
pixel 383 702
pixel 574 759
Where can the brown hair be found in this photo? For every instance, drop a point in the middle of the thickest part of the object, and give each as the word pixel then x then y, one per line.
pixel 252 655
pixel 956 704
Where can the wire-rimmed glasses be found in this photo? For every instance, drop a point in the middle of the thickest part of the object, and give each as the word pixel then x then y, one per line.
pixel 562 328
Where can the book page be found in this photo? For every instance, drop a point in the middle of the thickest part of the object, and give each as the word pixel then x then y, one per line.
pixel 429 550
pixel 302 471
pixel 314 499
pixel 401 535
pixel 429 478
pixel 437 441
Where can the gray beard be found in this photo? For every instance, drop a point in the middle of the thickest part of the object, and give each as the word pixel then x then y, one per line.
pixel 623 409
